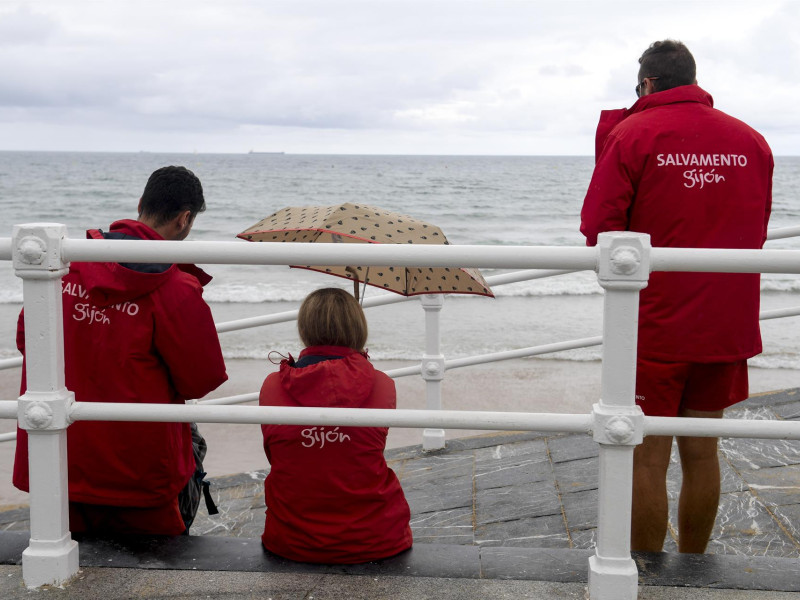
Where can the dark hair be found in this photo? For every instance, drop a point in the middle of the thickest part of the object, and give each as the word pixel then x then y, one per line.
pixel 671 62
pixel 332 317
pixel 170 191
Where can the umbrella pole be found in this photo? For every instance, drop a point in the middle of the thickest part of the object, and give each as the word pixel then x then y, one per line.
pixel 364 289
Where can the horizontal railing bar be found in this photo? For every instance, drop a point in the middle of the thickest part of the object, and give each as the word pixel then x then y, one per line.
pixel 8 409
pixel 732 428
pixel 403 255
pixel 723 260
pixel 773 234
pixel 456 363
pixel 229 400
pixel 780 233
pixel 556 257
pixel 259 321
pixel 526 275
pixel 406 371
pixel 446 419
pixel 10 363
pixel 777 313
pixel 522 352
pixel 557 422
pixel 368 417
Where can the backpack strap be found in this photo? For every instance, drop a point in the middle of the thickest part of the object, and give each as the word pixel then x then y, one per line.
pixel 210 506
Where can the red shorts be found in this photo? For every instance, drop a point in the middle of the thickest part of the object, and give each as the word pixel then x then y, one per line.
pixel 104 519
pixel 663 389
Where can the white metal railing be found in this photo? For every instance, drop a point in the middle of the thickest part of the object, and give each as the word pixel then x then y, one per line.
pixel 623 261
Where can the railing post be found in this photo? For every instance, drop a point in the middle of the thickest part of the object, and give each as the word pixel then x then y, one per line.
pixel 52 554
pixel 432 367
pixel 623 270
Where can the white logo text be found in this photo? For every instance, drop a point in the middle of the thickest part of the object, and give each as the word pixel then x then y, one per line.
pixel 314 436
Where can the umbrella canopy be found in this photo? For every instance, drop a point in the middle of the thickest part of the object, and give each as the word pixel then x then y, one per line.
pixel 359 224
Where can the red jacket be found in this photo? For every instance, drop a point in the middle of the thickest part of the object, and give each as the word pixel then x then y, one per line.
pixel 140 333
pixel 690 176
pixel 330 496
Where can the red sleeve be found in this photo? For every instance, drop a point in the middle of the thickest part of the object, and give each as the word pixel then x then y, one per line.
pixel 608 120
pixel 768 207
pixel 23 382
pixel 21 332
pixel 186 339
pixel 610 194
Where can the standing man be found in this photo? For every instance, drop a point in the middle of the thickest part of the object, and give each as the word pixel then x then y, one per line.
pixel 690 176
pixel 142 333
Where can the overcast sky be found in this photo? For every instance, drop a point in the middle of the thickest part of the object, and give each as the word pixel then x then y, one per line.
pixel 376 76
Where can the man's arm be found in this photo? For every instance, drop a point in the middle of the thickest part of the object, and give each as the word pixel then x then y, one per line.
pixel 768 205
pixel 610 194
pixel 186 339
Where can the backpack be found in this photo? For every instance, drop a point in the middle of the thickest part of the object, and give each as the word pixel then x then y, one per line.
pixel 189 496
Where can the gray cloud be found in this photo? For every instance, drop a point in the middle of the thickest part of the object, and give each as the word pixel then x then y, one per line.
pixel 446 72
pixel 23 27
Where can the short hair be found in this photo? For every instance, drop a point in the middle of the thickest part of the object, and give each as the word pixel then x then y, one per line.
pixel 332 317
pixel 170 191
pixel 671 62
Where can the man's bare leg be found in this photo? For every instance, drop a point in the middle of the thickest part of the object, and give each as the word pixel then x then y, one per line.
pixel 699 501
pixel 649 516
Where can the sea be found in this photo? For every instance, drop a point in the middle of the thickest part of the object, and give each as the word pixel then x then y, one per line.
pixel 483 200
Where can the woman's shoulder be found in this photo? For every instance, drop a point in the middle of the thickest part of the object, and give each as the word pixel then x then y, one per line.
pixel 384 394
pixel 272 391
pixel 383 378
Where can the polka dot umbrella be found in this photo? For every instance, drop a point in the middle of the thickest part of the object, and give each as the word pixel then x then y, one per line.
pixel 359 224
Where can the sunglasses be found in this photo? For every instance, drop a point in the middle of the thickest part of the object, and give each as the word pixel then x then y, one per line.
pixel 639 85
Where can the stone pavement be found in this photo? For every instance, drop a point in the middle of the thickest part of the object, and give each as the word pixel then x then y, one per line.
pixel 510 507
pixel 540 490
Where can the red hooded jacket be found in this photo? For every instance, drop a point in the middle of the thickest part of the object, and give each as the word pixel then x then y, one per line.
pixel 690 176
pixel 331 498
pixel 138 333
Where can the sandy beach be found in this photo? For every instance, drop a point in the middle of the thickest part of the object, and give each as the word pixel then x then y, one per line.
pixel 519 385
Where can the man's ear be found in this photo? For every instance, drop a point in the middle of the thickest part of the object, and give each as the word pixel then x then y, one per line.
pixel 139 208
pixel 181 225
pixel 184 219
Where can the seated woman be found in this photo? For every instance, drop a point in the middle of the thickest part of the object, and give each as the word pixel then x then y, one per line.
pixel 330 496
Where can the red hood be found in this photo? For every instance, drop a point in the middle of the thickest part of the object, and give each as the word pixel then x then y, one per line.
pixel 611 118
pixel 345 382
pixel 112 283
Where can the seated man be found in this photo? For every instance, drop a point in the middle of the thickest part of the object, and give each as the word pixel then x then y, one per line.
pixel 135 332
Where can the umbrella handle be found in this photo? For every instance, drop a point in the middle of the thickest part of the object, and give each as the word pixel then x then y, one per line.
pixel 352 271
